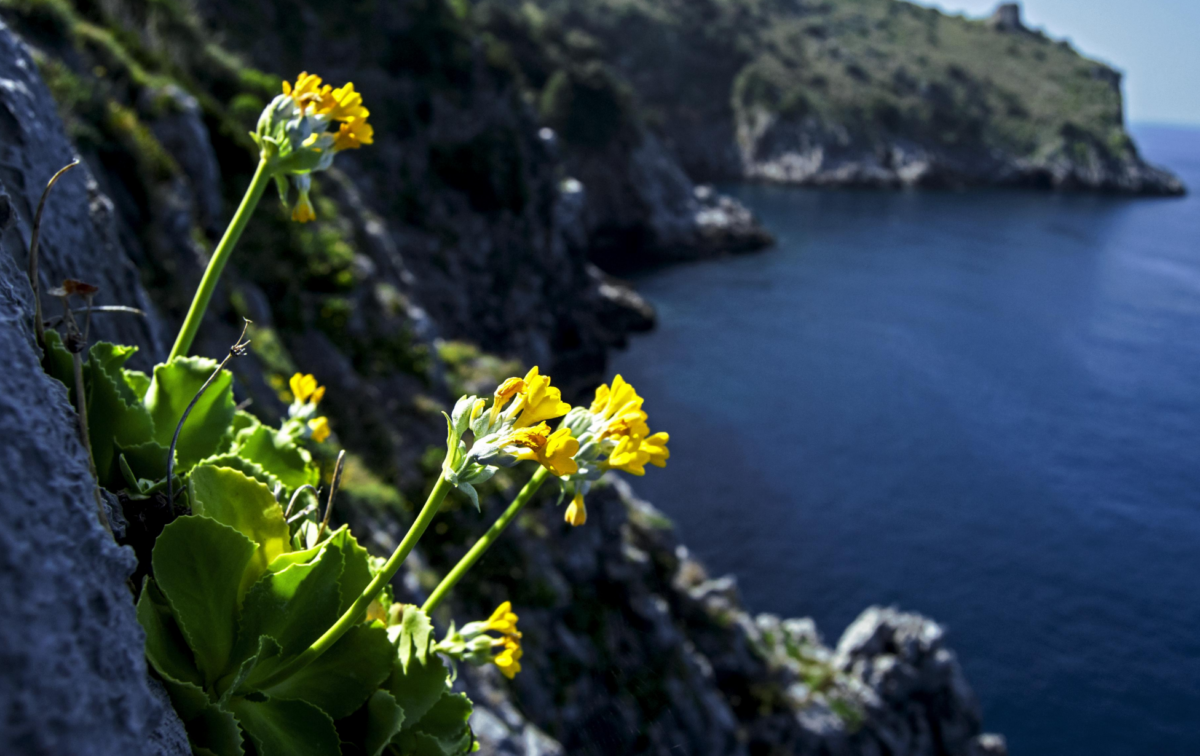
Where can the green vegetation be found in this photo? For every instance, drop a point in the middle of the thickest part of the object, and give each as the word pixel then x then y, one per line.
pixel 874 69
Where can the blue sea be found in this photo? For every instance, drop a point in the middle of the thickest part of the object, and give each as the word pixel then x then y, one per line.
pixel 982 406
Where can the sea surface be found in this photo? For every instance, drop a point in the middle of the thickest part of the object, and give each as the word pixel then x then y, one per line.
pixel 981 406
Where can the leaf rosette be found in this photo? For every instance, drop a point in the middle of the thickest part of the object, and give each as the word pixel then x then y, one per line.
pixel 235 597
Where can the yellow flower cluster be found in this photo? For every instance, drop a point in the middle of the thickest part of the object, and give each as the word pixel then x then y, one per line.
pixel 295 137
pixel 343 105
pixel 504 621
pixel 306 389
pixel 307 394
pixel 624 421
pixel 533 397
pixel 615 436
pixel 534 401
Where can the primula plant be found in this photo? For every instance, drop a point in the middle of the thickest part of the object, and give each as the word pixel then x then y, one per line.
pixel 274 633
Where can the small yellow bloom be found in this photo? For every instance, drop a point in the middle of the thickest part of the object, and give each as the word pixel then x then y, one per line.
pixel 308 90
pixel 306 389
pixel 504 393
pixel 342 104
pixel 320 428
pixel 553 451
pixel 629 456
pixel 576 511
pixel 539 400
pixel 303 212
pixel 656 447
pixel 629 425
pixel 508 660
pixel 353 134
pixel 620 402
pixel 503 621
pixel 529 438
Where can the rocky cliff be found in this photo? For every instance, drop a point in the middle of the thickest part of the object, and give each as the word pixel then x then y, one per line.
pixel 876 93
pixel 454 249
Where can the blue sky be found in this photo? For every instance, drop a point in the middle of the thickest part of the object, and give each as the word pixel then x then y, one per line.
pixel 1156 43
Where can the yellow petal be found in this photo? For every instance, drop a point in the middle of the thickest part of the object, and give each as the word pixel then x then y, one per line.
pixel 576 512
pixel 320 428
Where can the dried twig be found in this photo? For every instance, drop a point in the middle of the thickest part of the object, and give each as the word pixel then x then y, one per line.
pixel 333 489
pixel 38 328
pixel 303 512
pixel 237 350
pixel 58 319
pixel 288 512
pixel 75 343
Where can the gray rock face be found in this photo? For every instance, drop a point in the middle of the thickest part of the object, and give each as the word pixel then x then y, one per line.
pixel 72 674
pixel 79 237
pixel 641 208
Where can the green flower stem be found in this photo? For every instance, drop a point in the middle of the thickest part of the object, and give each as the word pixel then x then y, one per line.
pixel 191 324
pixel 482 545
pixel 358 609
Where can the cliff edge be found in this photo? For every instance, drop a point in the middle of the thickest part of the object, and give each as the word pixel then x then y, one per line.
pixel 875 93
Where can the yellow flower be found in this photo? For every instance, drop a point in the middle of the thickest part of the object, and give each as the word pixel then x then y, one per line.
pixel 656 447
pixel 529 438
pixel 342 104
pixel 628 456
pixel 505 392
pixel 539 400
pixel 303 211
pixel 634 452
pixel 619 407
pixel 503 621
pixel 553 451
pixel 353 134
pixel 308 90
pixel 305 388
pixel 320 428
pixel 508 660
pixel 576 511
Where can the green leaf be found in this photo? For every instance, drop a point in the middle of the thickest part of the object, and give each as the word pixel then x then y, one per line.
pixel 199 563
pixel 171 390
pixel 148 461
pixel 111 358
pixel 57 362
pixel 262 663
pixel 233 499
pixel 416 743
pixel 447 720
pixel 278 455
pixel 343 677
pixel 412 635
pixel 244 466
pixel 116 416
pixel 384 720
pixel 419 688
pixel 188 699
pixel 356 572
pixel 215 730
pixel 287 728
pixel 137 381
pixel 294 606
pixel 166 648
pixel 443 731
